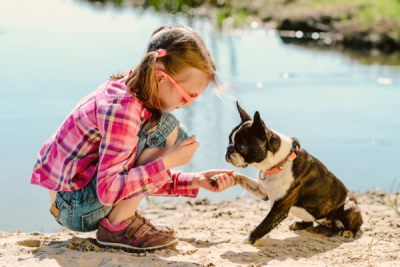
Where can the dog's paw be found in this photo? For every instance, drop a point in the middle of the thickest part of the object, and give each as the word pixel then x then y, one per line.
pixel 246 241
pixel 238 178
pixel 249 241
pixel 300 225
pixel 346 234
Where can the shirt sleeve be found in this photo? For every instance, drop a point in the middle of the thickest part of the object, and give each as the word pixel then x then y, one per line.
pixel 119 123
pixel 181 185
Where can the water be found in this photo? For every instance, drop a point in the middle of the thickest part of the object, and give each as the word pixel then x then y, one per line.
pixel 55 52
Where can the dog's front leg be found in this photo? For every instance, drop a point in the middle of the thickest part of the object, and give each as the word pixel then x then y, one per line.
pixel 278 213
pixel 251 185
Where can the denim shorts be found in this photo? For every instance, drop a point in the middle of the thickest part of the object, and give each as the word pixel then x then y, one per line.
pixel 81 210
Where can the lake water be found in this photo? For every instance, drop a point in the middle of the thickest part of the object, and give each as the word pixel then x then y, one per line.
pixel 55 52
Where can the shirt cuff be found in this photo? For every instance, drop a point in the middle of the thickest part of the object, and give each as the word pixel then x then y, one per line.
pixel 184 185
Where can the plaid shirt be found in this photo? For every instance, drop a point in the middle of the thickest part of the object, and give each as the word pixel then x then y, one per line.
pixel 101 133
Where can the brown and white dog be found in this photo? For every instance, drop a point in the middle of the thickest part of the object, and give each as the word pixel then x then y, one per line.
pixel 291 179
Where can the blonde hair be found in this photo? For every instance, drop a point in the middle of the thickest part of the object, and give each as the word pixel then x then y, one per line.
pixel 184 47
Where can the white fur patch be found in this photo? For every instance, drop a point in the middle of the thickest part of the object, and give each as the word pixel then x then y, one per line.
pixel 278 184
pixel 302 214
pixel 237 160
pixel 234 134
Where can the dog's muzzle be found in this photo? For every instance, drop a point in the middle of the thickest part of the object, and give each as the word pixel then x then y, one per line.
pixel 234 158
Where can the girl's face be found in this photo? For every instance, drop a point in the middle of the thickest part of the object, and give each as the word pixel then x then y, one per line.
pixel 192 80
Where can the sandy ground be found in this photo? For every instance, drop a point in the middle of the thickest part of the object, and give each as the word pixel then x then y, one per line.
pixel 211 234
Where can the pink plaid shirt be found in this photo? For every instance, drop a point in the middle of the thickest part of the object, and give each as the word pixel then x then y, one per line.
pixel 101 133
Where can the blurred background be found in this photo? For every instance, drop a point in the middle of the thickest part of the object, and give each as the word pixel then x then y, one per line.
pixel 326 72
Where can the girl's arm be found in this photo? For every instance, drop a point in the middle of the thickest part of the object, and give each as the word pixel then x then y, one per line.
pixel 181 183
pixel 119 124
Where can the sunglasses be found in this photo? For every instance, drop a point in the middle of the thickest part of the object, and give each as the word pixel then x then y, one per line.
pixel 188 98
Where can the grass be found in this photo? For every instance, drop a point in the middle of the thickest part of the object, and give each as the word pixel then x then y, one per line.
pixel 393 204
pixel 374 244
pixel 150 200
pixel 370 11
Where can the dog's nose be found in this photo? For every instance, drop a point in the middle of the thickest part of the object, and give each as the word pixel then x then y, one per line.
pixel 230 147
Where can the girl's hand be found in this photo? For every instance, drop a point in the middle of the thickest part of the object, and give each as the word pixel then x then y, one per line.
pixel 181 153
pixel 225 180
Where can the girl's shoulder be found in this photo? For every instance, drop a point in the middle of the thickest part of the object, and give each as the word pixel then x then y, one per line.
pixel 117 91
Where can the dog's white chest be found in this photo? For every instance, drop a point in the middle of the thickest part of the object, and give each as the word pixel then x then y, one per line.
pixel 278 184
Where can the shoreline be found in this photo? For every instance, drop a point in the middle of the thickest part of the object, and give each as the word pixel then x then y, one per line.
pixel 211 234
pixel 360 25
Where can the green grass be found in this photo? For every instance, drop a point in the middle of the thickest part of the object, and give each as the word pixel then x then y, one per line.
pixel 374 244
pixel 370 10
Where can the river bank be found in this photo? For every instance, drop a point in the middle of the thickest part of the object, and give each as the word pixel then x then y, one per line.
pixel 359 24
pixel 210 234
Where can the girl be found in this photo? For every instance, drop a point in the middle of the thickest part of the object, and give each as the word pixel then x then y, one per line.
pixel 119 142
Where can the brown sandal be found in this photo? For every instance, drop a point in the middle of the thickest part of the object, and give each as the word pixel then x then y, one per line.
pixel 165 229
pixel 132 235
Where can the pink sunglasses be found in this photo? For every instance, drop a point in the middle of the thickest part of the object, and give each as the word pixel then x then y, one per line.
pixel 188 98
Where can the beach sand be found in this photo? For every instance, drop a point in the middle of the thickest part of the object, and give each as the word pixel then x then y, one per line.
pixel 211 234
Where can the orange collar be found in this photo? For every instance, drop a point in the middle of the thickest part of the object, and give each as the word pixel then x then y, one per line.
pixel 292 155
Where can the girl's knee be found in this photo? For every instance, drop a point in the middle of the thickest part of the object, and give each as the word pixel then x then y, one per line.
pixel 151 153
pixel 148 155
pixel 172 137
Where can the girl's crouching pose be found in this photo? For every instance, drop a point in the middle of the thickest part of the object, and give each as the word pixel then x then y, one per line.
pixel 119 142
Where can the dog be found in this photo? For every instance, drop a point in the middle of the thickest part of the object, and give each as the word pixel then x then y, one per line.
pixel 292 180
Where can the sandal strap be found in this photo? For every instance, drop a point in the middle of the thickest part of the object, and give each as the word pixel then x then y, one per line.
pixel 142 231
pixel 144 219
pixel 133 227
pixel 130 219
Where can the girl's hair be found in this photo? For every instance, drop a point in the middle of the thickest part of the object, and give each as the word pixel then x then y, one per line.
pixel 185 48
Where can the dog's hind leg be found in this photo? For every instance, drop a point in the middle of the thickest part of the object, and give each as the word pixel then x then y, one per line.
pixel 350 216
pixel 251 185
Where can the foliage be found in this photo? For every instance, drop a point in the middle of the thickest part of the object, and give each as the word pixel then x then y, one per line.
pixel 395 204
pixel 373 244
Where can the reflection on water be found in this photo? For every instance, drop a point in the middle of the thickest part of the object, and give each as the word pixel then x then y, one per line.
pixel 345 113
pixel 312 40
pixel 366 57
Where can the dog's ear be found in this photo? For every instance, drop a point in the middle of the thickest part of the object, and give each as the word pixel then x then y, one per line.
pixel 243 115
pixel 260 127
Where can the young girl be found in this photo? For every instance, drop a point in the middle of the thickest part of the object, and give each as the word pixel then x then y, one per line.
pixel 119 142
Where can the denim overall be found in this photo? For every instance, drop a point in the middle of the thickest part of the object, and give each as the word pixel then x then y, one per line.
pixel 81 210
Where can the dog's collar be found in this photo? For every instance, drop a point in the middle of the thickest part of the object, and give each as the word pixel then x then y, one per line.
pixel 294 151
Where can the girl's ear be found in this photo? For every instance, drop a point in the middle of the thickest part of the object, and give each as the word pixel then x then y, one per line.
pixel 243 115
pixel 160 76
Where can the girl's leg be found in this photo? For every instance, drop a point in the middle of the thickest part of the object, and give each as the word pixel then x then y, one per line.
pixel 124 210
pixel 127 208
pixel 123 229
pixel 52 196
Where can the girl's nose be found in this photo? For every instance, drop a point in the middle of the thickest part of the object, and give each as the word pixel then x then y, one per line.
pixel 187 103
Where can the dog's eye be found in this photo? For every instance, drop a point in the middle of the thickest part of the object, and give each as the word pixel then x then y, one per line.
pixel 242 147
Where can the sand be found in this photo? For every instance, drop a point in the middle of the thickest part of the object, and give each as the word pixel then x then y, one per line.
pixel 211 234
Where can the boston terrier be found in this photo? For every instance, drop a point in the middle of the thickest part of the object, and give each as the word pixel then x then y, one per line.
pixel 292 180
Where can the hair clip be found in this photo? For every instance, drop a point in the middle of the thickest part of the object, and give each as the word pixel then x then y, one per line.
pixel 166 26
pixel 161 52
